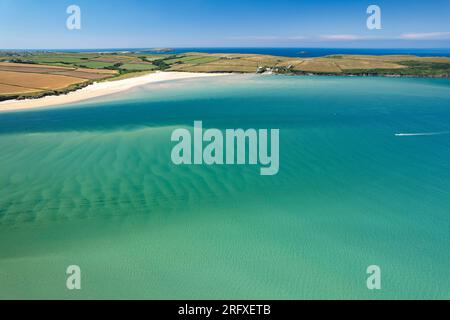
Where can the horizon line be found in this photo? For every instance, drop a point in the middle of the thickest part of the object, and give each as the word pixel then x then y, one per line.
pixel 230 47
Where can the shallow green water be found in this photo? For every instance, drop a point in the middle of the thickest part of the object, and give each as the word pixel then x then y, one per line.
pixel 93 185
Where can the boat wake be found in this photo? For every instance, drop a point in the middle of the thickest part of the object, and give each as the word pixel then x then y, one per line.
pixel 421 134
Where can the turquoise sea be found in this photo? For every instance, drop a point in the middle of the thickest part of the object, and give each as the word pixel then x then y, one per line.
pixel 93 185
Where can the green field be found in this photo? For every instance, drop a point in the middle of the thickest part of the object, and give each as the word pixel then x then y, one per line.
pixel 401 65
pixel 130 64
pixel 137 67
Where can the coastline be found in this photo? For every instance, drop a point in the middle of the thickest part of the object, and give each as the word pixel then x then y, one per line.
pixel 104 88
pixel 98 89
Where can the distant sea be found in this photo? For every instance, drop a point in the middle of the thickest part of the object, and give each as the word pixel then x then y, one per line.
pixel 364 180
pixel 287 52
pixel 319 52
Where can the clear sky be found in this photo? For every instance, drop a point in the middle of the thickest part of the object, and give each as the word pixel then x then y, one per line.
pixel 41 24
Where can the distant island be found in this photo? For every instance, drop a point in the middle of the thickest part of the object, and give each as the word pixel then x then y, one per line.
pixel 33 74
pixel 157 50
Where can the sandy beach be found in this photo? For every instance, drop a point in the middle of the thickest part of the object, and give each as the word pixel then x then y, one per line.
pixel 98 89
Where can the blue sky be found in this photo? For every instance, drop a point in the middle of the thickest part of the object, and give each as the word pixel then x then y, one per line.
pixel 41 24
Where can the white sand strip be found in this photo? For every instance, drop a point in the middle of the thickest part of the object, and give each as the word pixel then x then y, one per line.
pixel 98 89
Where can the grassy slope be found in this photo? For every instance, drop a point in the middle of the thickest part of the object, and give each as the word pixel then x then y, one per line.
pixel 332 65
pixel 134 64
